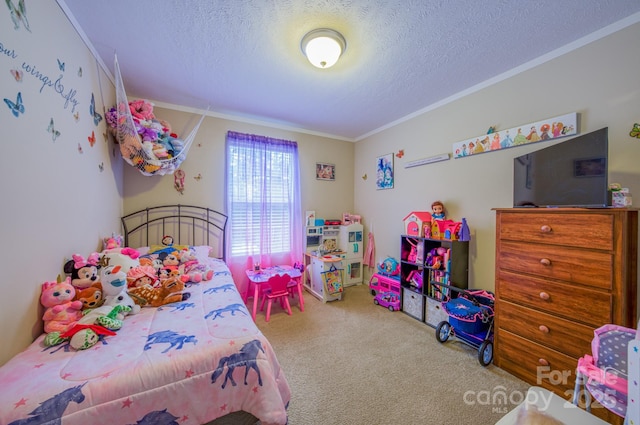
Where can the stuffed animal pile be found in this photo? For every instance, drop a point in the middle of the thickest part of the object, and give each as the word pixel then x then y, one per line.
pixel 171 260
pixel 65 319
pixel 102 289
pixel 155 139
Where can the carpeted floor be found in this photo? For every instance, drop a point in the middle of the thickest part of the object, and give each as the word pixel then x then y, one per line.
pixel 351 362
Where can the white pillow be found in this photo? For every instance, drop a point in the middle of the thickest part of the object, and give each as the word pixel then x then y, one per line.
pixel 202 252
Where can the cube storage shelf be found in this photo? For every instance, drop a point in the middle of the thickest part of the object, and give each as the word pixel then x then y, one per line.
pixel 421 296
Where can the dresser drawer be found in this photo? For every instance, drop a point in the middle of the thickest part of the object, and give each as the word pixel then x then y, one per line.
pixel 589 230
pixel 590 268
pixel 574 303
pixel 565 336
pixel 535 363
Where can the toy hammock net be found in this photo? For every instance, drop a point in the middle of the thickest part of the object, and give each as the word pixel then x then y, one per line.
pixel 146 142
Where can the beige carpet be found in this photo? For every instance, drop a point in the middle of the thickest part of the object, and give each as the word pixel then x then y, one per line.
pixel 351 362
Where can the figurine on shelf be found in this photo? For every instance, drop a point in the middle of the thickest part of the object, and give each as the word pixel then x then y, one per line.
pixel 437 209
pixel 464 233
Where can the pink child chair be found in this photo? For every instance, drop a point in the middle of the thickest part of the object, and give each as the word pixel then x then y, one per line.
pixel 277 290
pixel 295 287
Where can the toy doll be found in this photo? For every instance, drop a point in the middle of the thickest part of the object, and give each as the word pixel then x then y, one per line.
pixel 437 209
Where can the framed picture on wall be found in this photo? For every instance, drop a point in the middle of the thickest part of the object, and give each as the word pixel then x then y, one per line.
pixel 325 171
pixel 384 171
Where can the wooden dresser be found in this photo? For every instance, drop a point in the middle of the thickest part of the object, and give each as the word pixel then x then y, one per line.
pixel 560 274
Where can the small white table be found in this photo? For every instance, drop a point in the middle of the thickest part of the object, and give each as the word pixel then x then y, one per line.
pixel 554 406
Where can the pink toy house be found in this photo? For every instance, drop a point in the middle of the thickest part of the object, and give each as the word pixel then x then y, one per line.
pixel 445 229
pixel 415 222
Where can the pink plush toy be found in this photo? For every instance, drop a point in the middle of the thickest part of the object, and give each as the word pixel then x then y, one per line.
pixel 192 270
pixel 62 312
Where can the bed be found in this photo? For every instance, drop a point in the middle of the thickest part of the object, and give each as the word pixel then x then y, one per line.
pixel 198 361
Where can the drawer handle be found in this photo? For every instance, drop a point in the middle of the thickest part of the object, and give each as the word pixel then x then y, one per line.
pixel 545 262
pixel 544 295
pixel 543 329
pixel 545 229
pixel 543 362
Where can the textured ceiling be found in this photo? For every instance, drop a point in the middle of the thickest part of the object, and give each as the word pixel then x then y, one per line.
pixel 242 58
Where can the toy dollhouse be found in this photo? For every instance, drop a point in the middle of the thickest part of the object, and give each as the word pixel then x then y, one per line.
pixel 415 222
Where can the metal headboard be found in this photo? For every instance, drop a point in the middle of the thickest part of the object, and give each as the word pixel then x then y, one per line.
pixel 187 224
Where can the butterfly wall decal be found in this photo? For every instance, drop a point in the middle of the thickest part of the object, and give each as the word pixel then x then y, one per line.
pixel 52 130
pixel 80 72
pixel 101 166
pixel 400 153
pixel 60 65
pixel 18 14
pixel 80 148
pixel 92 139
pixel 635 131
pixel 16 107
pixel 92 111
pixel 17 74
pixel 76 116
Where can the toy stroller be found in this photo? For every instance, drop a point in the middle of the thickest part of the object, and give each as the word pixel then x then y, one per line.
pixel 604 372
pixel 470 320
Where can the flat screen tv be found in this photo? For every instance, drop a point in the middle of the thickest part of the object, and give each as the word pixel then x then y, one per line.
pixel 572 173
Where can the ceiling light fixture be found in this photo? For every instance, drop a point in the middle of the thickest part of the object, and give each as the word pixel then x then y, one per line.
pixel 323 47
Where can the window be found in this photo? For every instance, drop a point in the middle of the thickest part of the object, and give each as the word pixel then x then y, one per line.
pixel 263 196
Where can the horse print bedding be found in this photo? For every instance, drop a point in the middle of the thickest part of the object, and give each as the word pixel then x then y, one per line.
pixel 183 363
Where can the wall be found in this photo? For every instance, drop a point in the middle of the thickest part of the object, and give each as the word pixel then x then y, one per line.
pixel 56 200
pixel 206 158
pixel 599 81
pixel 63 200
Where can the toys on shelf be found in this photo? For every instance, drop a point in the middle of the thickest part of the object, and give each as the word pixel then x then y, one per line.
pixel 437 211
pixel 416 223
pixel 348 218
pixel 415 279
pixel 434 225
pixel 389 267
pixel 380 283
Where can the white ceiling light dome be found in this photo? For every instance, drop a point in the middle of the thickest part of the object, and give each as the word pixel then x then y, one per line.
pixel 323 47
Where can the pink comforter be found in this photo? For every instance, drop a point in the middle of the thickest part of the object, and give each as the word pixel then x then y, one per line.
pixel 187 363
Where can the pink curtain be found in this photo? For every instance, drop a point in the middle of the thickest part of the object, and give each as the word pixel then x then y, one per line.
pixel 263 203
